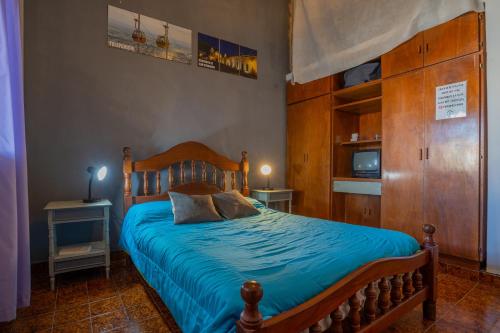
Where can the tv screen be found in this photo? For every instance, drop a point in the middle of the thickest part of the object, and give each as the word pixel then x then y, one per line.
pixel 366 163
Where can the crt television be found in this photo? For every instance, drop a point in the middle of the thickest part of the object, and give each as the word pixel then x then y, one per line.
pixel 366 163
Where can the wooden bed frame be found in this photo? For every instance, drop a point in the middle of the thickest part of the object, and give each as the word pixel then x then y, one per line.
pixel 403 282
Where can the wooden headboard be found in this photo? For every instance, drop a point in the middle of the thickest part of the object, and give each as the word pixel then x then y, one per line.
pixel 192 168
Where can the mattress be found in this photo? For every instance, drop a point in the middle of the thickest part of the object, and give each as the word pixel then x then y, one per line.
pixel 198 269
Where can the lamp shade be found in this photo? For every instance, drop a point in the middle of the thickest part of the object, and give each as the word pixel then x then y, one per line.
pixel 265 170
pixel 102 172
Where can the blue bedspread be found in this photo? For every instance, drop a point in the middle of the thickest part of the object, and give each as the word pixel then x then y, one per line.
pixel 198 269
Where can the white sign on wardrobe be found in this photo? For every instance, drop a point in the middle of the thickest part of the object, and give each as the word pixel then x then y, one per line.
pixel 451 101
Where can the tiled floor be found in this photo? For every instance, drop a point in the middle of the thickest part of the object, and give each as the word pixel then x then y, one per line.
pixel 87 302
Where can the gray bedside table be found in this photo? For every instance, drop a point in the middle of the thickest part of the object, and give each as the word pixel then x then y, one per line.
pixel 275 195
pixel 82 255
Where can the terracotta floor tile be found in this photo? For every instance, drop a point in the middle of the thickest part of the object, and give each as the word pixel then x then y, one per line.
pixel 75 314
pixel 106 305
pixel 134 296
pixel 34 324
pixel 109 321
pixel 451 288
pixel 71 300
pixel 151 325
pixel 142 311
pixel 74 327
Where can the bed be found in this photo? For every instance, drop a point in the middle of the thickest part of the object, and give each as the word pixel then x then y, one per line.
pixel 272 272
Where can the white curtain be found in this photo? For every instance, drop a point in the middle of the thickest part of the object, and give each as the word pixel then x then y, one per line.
pixel 330 36
pixel 14 220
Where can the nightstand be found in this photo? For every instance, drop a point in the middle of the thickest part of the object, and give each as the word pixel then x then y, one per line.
pixel 82 255
pixel 276 195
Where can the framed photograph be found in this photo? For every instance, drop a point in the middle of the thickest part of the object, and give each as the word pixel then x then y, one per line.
pixel 208 51
pixel 248 58
pixel 229 60
pixel 146 35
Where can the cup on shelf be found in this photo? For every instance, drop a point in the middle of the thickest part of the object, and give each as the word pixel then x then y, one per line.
pixel 354 137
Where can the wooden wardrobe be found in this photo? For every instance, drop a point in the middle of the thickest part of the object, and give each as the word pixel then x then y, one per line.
pixel 308 148
pixel 433 171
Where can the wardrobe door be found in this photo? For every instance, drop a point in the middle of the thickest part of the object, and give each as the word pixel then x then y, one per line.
pixel 452 39
pixel 452 157
pixel 317 196
pixel 402 153
pixel 296 153
pixel 300 92
pixel 404 58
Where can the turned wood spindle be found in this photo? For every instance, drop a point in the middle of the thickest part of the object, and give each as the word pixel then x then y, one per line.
pixel 158 183
pixel 193 171
pixel 418 280
pixel 127 171
pixel 384 297
pixel 396 289
pixel 223 176
pixel 354 316
pixel 233 180
pixel 316 328
pixel 181 167
pixel 408 289
pixel 146 183
pixel 336 326
pixel 214 175
pixel 170 177
pixel 203 171
pixel 244 168
pixel 251 318
pixel 370 302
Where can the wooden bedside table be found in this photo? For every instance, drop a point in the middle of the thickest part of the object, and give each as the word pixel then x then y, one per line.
pixel 276 195
pixel 82 255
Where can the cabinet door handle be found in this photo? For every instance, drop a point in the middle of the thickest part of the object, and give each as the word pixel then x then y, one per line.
pixel 304 158
pixel 427 153
pixel 427 47
pixel 369 212
pixel 421 154
pixel 420 49
pixel 364 212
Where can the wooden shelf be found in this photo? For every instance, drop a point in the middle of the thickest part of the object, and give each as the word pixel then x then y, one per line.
pixel 364 180
pixel 368 105
pixel 361 91
pixel 360 142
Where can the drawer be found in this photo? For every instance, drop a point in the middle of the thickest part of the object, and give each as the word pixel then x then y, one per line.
pixel 81 263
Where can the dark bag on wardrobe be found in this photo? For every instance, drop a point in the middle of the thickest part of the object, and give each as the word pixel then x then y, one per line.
pixel 362 73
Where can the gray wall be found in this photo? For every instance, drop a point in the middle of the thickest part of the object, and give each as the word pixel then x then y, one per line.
pixel 85 101
pixel 493 49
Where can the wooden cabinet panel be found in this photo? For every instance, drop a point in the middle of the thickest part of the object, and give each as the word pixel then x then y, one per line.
pixel 317 203
pixel 362 210
pixel 300 92
pixel 404 58
pixel 452 39
pixel 296 153
pixel 308 156
pixel 402 154
pixel 452 174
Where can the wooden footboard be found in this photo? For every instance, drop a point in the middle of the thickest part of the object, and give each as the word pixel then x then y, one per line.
pixel 403 284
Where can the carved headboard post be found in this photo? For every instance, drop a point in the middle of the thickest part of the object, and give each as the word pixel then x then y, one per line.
pixel 244 168
pixel 127 174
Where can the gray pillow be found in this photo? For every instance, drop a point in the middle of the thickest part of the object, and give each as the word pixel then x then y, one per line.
pixel 193 208
pixel 233 205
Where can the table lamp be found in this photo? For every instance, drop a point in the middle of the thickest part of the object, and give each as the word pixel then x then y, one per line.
pixel 266 171
pixel 101 174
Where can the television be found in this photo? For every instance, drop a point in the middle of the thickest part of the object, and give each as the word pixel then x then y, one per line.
pixel 366 163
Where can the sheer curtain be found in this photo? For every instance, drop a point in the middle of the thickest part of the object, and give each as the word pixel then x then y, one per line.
pixel 330 36
pixel 14 223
